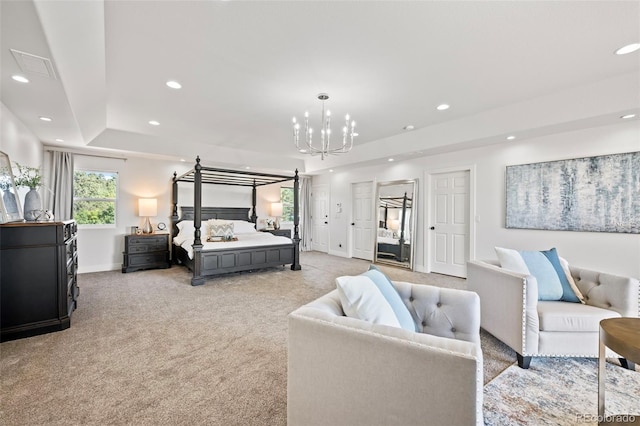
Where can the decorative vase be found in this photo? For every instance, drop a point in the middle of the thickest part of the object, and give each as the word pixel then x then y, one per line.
pixel 32 205
pixel 9 199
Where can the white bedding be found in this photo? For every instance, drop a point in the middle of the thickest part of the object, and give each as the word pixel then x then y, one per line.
pixel 387 240
pixel 251 239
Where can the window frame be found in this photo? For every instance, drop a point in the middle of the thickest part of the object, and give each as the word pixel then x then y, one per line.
pixel 115 200
pixel 288 222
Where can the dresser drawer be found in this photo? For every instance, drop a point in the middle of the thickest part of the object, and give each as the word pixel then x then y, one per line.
pixel 145 248
pixel 135 240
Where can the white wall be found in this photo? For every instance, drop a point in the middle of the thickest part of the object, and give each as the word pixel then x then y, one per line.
pixel 19 143
pixel 100 249
pixel 615 253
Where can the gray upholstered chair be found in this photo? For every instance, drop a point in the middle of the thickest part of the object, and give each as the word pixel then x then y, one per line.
pixel 512 312
pixel 345 371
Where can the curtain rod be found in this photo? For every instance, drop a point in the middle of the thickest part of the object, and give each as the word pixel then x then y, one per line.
pixel 88 155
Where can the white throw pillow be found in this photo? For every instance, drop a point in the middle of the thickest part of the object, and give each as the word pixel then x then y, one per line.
pixel 362 299
pixel 572 282
pixel 243 227
pixel 511 260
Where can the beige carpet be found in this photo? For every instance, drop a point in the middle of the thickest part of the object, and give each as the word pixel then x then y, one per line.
pixel 147 348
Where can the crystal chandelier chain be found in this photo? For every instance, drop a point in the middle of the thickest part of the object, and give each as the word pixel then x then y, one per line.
pixel 348 132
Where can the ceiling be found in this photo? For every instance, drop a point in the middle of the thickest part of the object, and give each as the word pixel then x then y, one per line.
pixel 525 68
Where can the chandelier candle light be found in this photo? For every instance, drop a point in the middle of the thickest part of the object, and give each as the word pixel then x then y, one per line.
pixel 325 134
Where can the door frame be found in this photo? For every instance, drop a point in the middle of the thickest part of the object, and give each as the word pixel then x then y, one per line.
pixel 313 218
pixel 472 219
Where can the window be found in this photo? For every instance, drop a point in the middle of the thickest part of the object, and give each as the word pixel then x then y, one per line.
pixel 94 197
pixel 286 195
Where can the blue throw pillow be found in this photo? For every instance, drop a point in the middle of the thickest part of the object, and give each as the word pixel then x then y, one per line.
pixel 568 295
pixel 391 295
pixel 549 286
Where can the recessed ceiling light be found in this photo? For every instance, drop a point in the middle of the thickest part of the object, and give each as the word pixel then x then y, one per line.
pixel 390 160
pixel 629 48
pixel 303 150
pixel 59 140
pixel 20 78
pixel 624 117
pixel 182 159
pixel 330 170
pixel 46 119
pixel 442 107
pixel 510 138
pixel 356 134
pixel 174 84
pixel 154 123
pixel 248 168
pixel 409 127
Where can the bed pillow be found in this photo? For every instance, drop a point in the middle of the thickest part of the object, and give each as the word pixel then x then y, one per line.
pixel 223 230
pixel 185 225
pixel 391 296
pixel 243 227
pixel 361 299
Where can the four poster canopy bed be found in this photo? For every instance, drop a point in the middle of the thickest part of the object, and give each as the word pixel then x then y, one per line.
pixel 394 244
pixel 231 242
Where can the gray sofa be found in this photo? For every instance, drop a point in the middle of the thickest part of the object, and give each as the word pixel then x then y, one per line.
pixel 345 371
pixel 512 313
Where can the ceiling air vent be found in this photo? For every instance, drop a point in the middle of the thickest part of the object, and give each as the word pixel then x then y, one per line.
pixel 34 64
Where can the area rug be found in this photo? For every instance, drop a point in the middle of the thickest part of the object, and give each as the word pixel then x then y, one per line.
pixel 559 391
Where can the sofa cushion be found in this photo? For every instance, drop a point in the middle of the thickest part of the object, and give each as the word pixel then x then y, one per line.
pixel 390 293
pixel 549 285
pixel 362 299
pixel 571 317
pixel 568 295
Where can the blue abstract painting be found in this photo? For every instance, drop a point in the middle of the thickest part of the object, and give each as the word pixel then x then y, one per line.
pixel 595 194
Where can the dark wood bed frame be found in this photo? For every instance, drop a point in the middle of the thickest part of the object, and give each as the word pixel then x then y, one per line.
pixel 209 263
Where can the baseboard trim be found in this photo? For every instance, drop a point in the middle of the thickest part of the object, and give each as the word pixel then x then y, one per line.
pixel 99 268
pixel 338 253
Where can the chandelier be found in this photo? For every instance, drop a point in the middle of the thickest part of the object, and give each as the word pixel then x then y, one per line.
pixel 324 149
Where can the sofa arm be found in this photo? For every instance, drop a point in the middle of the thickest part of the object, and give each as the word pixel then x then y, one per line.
pixel 344 371
pixel 509 305
pixel 444 312
pixel 608 291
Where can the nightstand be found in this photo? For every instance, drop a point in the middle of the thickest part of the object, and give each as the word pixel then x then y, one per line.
pixel 279 232
pixel 146 251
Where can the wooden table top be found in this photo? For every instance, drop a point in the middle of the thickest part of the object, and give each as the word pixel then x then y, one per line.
pixel 622 335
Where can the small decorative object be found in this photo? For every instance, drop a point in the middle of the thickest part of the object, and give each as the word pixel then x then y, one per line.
pixel 161 226
pixel 269 223
pixel 276 212
pixel 9 203
pixel 133 230
pixel 138 231
pixel 147 207
pixel 30 177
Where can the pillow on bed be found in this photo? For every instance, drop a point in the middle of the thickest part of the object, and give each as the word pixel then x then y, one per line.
pixel 185 225
pixel 243 227
pixel 221 230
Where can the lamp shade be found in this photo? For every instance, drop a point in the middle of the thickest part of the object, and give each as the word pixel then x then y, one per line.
pixel 147 207
pixel 276 209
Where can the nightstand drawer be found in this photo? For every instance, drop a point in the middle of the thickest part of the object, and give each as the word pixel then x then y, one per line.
pixel 279 232
pixel 150 259
pixel 145 248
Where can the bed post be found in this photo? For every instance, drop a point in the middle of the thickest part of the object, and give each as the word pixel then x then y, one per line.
pixel 174 209
pixel 295 266
pixel 197 218
pixel 401 242
pixel 254 197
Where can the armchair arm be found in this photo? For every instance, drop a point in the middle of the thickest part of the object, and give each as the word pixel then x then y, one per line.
pixel 509 302
pixel 608 291
pixel 337 367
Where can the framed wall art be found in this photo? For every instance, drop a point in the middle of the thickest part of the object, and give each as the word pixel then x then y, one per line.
pixel 593 194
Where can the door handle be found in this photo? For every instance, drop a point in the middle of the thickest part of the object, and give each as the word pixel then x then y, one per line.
pixel 353 224
pixel 326 223
pixel 433 228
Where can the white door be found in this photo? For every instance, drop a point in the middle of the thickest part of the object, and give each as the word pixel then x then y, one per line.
pixel 363 220
pixel 320 218
pixel 449 228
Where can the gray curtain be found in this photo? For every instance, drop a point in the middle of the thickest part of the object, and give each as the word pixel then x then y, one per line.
pixel 306 230
pixel 59 197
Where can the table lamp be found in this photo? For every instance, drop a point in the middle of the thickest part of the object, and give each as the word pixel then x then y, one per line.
pixel 276 212
pixel 147 207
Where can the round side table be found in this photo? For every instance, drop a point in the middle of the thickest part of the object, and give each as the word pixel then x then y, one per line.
pixel 621 335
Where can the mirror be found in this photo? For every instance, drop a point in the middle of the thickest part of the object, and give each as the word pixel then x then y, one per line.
pixel 396 219
pixel 10 209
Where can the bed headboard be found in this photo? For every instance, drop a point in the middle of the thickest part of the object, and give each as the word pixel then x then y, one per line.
pixel 228 213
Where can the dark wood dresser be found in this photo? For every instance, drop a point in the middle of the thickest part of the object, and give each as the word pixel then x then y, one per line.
pixel 38 277
pixel 146 251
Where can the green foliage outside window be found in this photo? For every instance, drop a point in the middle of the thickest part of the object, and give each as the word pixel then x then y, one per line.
pixel 286 195
pixel 94 197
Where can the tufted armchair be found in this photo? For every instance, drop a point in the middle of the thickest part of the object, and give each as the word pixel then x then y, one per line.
pixel 512 312
pixel 345 371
